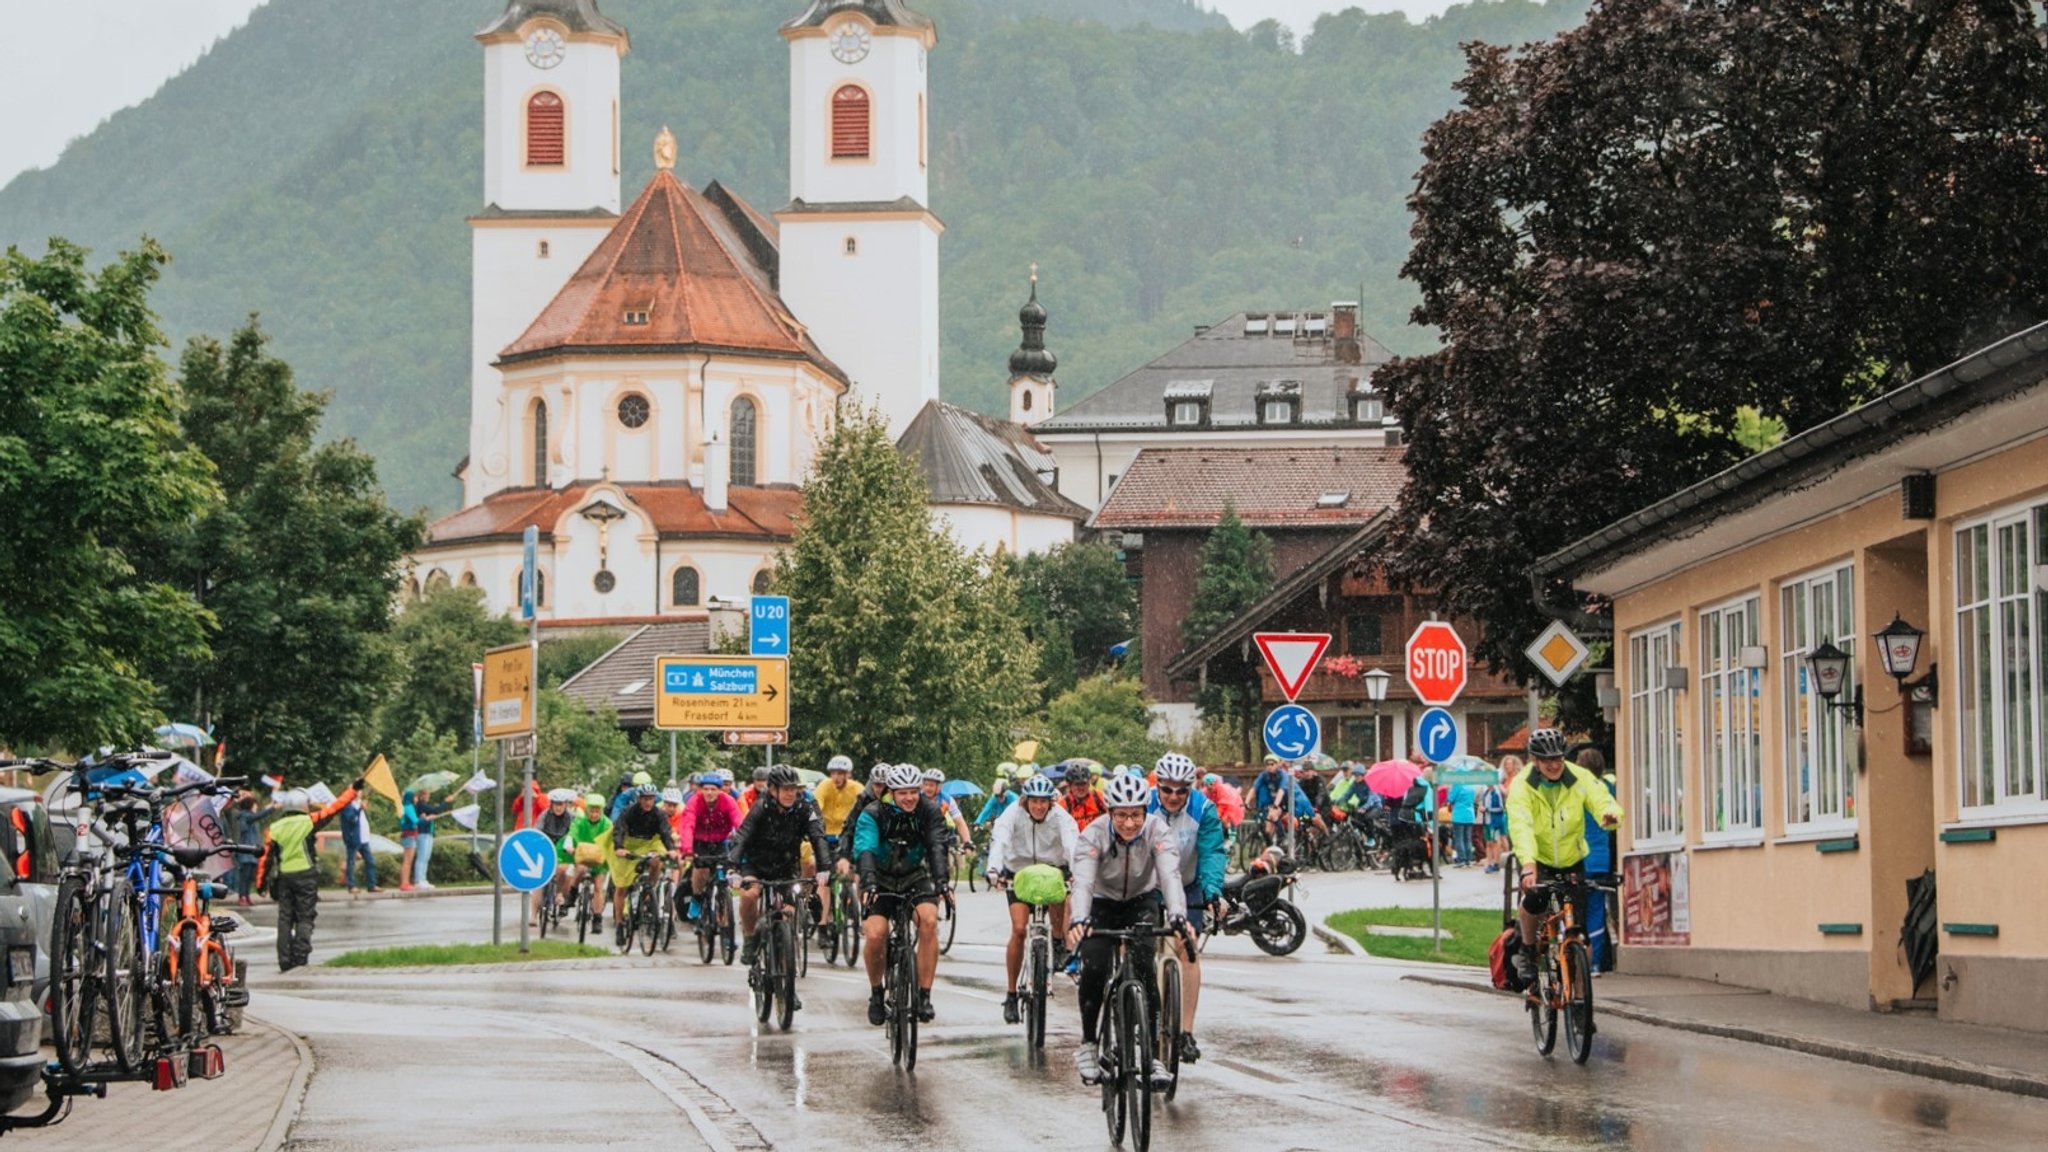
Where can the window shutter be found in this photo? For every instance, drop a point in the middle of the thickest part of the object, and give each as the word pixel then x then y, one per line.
pixel 544 131
pixel 850 123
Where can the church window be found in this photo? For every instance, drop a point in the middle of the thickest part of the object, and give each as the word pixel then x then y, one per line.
pixel 542 250
pixel 1025 402
pixel 546 128
pixel 436 579
pixel 540 443
pixel 761 582
pixel 469 579
pixel 412 588
pixel 851 124
pixel 852 246
pixel 745 441
pixel 540 587
pixel 634 410
pixel 685 588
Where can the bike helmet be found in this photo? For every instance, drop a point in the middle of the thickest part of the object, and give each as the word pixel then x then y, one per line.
pixel 1546 744
pixel 671 795
pixel 561 795
pixel 1175 768
pixel 760 774
pixel 783 776
pixel 878 772
pixel 1005 770
pixel 594 803
pixel 640 778
pixel 646 790
pixel 1211 780
pixel 1039 788
pixel 1095 770
pixel 839 764
pixel 904 776
pixel 1127 792
pixel 934 776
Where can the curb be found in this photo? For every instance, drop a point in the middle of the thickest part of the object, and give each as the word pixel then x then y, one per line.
pixel 1891 1059
pixel 294 1093
pixel 1337 941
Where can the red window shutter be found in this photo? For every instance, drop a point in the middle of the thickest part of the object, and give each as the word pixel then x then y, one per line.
pixel 544 131
pixel 850 120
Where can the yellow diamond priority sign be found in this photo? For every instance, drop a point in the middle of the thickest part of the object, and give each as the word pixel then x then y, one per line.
pixel 1557 653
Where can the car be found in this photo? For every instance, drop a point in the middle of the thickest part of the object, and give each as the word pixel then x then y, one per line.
pixel 30 866
pixel 29 845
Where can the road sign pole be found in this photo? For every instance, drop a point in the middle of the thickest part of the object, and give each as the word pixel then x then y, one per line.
pixel 671 759
pixel 526 795
pixel 497 846
pixel 526 781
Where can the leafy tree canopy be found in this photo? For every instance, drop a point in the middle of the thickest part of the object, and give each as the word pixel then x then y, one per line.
pixel 1237 569
pixel 1105 718
pixel 1077 604
pixel 91 467
pixel 1650 238
pixel 434 641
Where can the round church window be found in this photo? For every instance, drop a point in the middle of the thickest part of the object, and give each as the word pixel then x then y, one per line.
pixel 605 581
pixel 633 410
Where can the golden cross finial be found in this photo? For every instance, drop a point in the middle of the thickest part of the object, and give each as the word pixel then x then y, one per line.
pixel 665 150
pixel 1034 271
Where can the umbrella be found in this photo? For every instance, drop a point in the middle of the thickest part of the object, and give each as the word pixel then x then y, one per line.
pixel 1391 778
pixel 431 782
pixel 959 788
pixel 1324 761
pixel 809 776
pixel 186 733
pixel 1472 764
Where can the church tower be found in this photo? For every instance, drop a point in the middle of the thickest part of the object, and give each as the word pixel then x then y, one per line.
pixel 1032 386
pixel 551 193
pixel 859 246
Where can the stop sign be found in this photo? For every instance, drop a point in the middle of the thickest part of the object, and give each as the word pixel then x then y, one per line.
pixel 1437 662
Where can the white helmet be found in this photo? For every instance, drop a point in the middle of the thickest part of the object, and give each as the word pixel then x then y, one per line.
pixel 1039 788
pixel 561 795
pixel 934 776
pixel 839 764
pixel 1175 768
pixel 902 776
pixel 1127 792
pixel 671 795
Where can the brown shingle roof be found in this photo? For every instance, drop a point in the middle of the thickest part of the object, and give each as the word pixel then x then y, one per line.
pixel 1270 487
pixel 676 509
pixel 684 275
pixel 605 682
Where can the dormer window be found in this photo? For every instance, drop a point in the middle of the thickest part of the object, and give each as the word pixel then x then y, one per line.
pixel 1279 402
pixel 636 318
pixel 1187 403
pixel 1367 409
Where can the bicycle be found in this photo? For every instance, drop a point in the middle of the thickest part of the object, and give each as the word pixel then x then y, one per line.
pixel 1170 1030
pixel 201 971
pixel 1035 974
pixel 714 911
pixel 899 976
pixel 1564 970
pixel 839 934
pixel 1126 1051
pixel 772 976
pixel 949 921
pixel 977 854
pixel 588 910
pixel 644 904
pixel 92 954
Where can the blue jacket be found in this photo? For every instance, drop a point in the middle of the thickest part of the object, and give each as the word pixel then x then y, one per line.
pixel 996 806
pixel 1199 833
pixel 1266 792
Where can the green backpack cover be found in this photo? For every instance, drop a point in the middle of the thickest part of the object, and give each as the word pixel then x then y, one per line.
pixel 1040 885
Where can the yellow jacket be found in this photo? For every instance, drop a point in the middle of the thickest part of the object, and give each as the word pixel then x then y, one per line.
pixel 1547 822
pixel 835 803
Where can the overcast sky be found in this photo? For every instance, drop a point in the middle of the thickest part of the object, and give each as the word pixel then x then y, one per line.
pixel 77 62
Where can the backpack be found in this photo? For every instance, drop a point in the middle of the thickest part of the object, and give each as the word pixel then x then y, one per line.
pixel 1501 959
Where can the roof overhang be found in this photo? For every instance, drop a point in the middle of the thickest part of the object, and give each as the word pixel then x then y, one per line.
pixel 1241 626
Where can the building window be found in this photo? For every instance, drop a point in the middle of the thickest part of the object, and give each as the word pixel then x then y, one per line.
pixel 542 250
pixel 685 588
pixel 1367 409
pixel 852 246
pixel 540 588
pixel 546 127
pixel 468 578
pixel 761 579
pixel 436 579
pixel 745 441
pixel 1187 413
pixel 2001 656
pixel 634 410
pixel 1731 707
pixel 1820 778
pixel 1276 412
pixel 1024 401
pixel 540 443
pixel 850 123
pixel 1362 635
pixel 1657 797
pixel 635 318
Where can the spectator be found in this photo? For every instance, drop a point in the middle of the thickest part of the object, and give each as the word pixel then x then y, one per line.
pixel 245 827
pixel 355 844
pixel 1464 823
pixel 294 881
pixel 408 839
pixel 428 811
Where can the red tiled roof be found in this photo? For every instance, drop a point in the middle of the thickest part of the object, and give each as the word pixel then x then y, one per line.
pixel 676 509
pixel 1270 487
pixel 676 259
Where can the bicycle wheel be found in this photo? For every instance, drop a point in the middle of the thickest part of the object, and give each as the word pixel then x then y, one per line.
pixel 1115 1062
pixel 906 975
pixel 801 949
pixel 1339 854
pixel 828 935
pixel 1137 1077
pixel 1034 1014
pixel 547 908
pixel 1169 1024
pixel 666 893
pixel 760 978
pixel 707 929
pixel 1543 1007
pixel 73 980
pixel 948 924
pixel 784 973
pixel 647 917
pixel 893 994
pixel 1577 983
pixel 214 991
pixel 188 980
pixel 124 976
pixel 582 914
pixel 849 944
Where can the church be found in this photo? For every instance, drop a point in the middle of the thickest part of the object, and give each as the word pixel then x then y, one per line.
pixel 649 381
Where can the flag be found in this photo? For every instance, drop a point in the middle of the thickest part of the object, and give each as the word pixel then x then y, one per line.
pixel 467 815
pixel 1025 753
pixel 320 795
pixel 378 777
pixel 479 784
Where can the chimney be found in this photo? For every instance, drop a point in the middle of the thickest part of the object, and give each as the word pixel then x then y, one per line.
pixel 717 477
pixel 1344 340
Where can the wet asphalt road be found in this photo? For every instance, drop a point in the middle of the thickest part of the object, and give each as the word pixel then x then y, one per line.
pixel 1312 1051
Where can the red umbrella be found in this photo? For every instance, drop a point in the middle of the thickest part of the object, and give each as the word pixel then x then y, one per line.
pixel 1391 778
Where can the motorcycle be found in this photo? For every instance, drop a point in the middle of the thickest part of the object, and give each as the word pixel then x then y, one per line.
pixel 1256 902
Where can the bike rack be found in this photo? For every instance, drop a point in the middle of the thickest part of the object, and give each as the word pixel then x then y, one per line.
pixel 168 1072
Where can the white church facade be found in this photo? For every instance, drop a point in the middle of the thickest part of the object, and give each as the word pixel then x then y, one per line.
pixel 649 383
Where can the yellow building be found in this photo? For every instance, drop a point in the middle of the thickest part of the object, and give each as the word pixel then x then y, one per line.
pixel 1773 831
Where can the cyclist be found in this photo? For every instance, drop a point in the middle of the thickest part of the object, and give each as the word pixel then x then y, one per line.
pixel 1125 865
pixel 623 798
pixel 900 849
pixel 709 818
pixel 554 824
pixel 1000 799
pixel 1547 810
pixel 1229 800
pixel 586 844
pixel 935 779
pixel 1198 835
pixel 835 796
pixel 640 829
pixel 1081 800
pixel 752 795
pixel 766 848
pixel 1035 831
pixel 1281 803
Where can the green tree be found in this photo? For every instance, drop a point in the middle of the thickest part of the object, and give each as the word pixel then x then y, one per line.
pixel 1236 569
pixel 565 656
pixel 432 644
pixel 580 749
pixel 300 566
pixel 1103 718
pixel 91 467
pixel 1076 602
pixel 1649 239
pixel 905 648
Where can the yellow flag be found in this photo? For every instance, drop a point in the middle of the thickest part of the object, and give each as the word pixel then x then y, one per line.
pixel 1025 753
pixel 378 777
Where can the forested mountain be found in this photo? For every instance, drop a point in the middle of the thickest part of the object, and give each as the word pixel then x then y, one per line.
pixel 317 166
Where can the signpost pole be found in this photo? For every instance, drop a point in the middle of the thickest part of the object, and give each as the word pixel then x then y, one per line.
pixel 533 750
pixel 497 846
pixel 671 759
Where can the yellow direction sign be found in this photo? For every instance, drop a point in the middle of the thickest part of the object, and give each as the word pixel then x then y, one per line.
pixel 508 691
pixel 722 693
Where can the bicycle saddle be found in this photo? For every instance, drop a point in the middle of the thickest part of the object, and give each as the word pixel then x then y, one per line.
pixel 192 857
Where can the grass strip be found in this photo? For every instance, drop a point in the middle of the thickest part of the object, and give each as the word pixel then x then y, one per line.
pixel 434 955
pixel 1469 932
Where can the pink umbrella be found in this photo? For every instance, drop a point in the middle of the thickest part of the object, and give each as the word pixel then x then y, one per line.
pixel 1391 778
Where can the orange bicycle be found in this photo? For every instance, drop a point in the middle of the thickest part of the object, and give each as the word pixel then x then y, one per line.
pixel 205 981
pixel 1564 969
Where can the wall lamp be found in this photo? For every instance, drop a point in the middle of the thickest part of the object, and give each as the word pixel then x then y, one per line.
pixel 1899 643
pixel 1829 667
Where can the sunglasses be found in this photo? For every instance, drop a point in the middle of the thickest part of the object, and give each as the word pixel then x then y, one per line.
pixel 1173 789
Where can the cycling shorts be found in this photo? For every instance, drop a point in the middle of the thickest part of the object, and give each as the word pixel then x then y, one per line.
pixel 892 892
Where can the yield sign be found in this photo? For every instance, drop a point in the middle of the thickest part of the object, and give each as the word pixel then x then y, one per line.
pixel 1292 656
